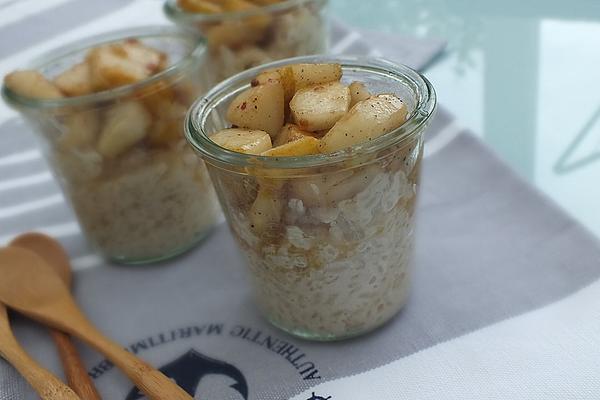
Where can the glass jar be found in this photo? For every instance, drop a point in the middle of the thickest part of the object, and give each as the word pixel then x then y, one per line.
pixel 328 238
pixel 151 199
pixel 241 40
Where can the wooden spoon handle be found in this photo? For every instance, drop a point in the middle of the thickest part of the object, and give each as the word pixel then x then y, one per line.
pixel 150 381
pixel 75 370
pixel 48 386
pixel 153 383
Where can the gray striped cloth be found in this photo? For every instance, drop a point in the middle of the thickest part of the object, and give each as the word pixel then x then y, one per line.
pixel 505 301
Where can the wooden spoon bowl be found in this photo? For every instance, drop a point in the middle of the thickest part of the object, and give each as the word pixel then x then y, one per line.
pixel 50 250
pixel 57 258
pixel 31 286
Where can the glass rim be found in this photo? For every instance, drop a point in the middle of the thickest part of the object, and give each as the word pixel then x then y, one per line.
pixel 142 32
pixel 215 154
pixel 176 13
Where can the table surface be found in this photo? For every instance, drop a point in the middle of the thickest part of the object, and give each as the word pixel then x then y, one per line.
pixel 523 75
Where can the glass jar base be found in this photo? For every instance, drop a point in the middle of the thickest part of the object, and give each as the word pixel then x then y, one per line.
pixel 321 337
pixel 164 257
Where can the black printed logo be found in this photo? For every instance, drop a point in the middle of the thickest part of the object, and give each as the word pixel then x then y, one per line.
pixel 315 397
pixel 189 370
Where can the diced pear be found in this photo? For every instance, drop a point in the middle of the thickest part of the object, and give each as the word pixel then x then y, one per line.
pixel 300 147
pixel 266 2
pixel 314 191
pixel 352 185
pixel 158 97
pixel 152 59
pixel 76 81
pixel 243 140
pixel 320 134
pixel 232 34
pixel 286 77
pixel 160 105
pixel 31 84
pixel 238 5
pixel 289 133
pixel 168 126
pixel 366 121
pixel 125 125
pixel 260 107
pixel 238 32
pixel 314 74
pixel 266 211
pixel 358 92
pixel 125 63
pixel 283 75
pixel 81 129
pixel 259 21
pixel 240 191
pixel 266 77
pixel 200 6
pixel 288 82
pixel 110 68
pixel 319 107
pixel 328 189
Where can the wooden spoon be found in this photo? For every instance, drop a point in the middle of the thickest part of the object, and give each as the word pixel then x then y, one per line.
pixel 57 258
pixel 48 386
pixel 31 286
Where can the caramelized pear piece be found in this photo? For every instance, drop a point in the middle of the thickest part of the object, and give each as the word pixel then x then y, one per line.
pixel 260 107
pixel 153 60
pixel 299 147
pixel 327 190
pixel 289 133
pixel 110 68
pixel 168 126
pixel 314 74
pixel 243 140
pixel 81 129
pixel 286 77
pixel 366 121
pixel 319 107
pixel 125 125
pixel 76 81
pixel 31 84
pixel 266 211
pixel 200 6
pixel 266 2
pixel 358 92
pixel 122 64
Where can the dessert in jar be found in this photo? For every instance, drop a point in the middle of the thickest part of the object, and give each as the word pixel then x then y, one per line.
pixel 316 164
pixel 246 33
pixel 109 112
